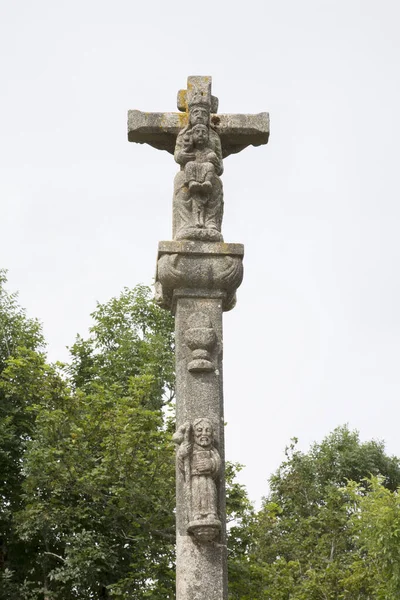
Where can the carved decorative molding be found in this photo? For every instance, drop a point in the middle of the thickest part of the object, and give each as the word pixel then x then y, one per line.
pixel 198 269
pixel 201 339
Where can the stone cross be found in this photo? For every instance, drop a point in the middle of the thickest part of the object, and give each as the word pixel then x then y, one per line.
pixel 197 278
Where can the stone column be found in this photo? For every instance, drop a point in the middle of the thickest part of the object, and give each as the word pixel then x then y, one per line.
pixel 197 281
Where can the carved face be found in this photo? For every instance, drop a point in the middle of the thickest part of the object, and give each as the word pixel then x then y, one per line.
pixel 200 135
pixel 199 115
pixel 203 433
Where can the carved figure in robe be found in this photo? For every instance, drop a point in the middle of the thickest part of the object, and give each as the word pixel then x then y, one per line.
pixel 200 463
pixel 200 172
pixel 198 196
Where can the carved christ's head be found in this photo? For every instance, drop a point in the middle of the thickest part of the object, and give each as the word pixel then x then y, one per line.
pixel 200 135
pixel 203 433
pixel 199 114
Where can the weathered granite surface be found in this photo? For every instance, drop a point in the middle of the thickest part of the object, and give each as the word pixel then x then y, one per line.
pixel 200 465
pixel 199 139
pixel 197 277
pixel 197 281
pixel 236 132
pixel 201 551
pixel 198 269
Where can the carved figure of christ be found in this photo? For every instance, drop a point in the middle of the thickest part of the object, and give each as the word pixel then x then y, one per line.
pixel 198 191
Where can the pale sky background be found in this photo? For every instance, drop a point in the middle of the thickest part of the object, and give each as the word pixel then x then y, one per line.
pixel 314 340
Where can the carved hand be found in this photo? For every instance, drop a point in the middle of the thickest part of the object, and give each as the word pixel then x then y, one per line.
pixel 185 449
pixel 213 158
pixel 180 433
pixel 185 157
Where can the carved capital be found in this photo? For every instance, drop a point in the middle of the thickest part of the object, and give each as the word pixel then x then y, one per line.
pixel 200 270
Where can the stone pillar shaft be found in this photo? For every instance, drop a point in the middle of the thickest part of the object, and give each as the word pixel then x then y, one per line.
pixel 200 395
pixel 197 281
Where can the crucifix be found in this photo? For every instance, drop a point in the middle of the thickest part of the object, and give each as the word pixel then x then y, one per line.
pixel 197 278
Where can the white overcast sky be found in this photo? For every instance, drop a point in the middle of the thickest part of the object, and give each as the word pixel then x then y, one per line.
pixel 314 340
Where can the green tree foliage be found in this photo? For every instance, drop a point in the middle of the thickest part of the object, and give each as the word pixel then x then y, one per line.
pixel 131 337
pixel 21 366
pixel 302 543
pixel 99 471
pixel 88 489
pixel 99 495
pixel 375 525
pixel 87 480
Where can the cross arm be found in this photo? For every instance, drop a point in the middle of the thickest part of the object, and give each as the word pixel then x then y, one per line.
pixel 239 131
pixel 160 130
